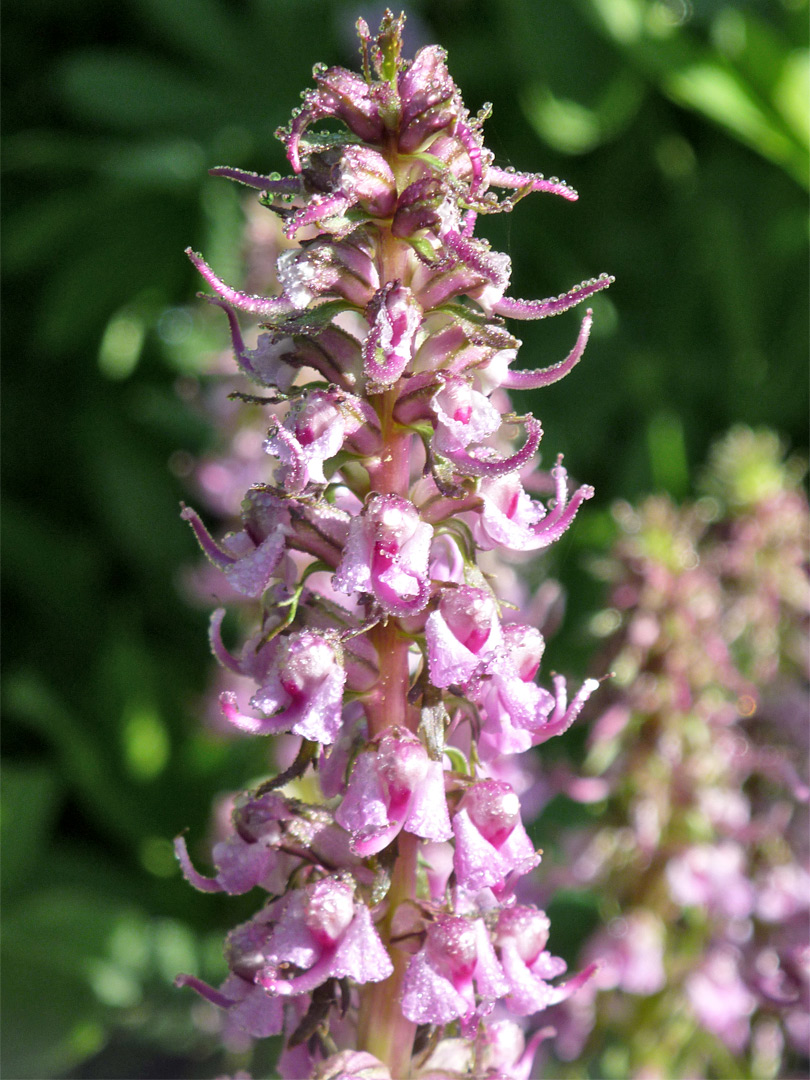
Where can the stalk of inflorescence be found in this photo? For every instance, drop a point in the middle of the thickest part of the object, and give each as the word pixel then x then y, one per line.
pixel 391 928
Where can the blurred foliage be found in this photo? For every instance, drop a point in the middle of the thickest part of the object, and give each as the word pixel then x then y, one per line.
pixel 684 128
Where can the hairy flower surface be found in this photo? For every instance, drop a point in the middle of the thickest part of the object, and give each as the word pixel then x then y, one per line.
pixel 381 649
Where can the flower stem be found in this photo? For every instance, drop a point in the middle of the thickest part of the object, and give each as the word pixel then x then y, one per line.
pixel 382 1030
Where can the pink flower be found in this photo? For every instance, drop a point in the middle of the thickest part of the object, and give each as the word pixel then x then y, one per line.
pixel 520 937
pixel 463 416
pixel 386 555
pixel 303 693
pixel 395 786
pixel 712 876
pixel 460 634
pixel 313 431
pixel 518 714
pixel 388 350
pixel 325 267
pixel 272 836
pixel 325 933
pixel 491 842
pixel 511 519
pixel 720 999
pixel 249 558
pixel 456 959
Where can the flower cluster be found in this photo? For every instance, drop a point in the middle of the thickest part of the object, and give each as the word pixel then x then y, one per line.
pixel 391 928
pixel 703 849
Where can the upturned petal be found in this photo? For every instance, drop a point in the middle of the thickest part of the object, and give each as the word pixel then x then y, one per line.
pixel 553 305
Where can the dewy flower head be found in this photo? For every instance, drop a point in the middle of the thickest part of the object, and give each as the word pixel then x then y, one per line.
pixel 378 640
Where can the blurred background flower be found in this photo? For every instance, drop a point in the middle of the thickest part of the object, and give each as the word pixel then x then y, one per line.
pixel 684 128
pixel 699 846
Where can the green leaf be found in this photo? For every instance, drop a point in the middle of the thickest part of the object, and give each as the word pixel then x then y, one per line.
pixel 125 90
pixel 48 1024
pixel 84 761
pixel 199 27
pixel 28 799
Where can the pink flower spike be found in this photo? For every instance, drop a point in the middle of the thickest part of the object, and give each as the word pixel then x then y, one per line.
pixel 377 644
pixel 263 306
pixel 533 380
pixel 541 309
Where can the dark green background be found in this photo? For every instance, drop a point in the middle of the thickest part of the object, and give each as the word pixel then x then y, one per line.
pixel 682 126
